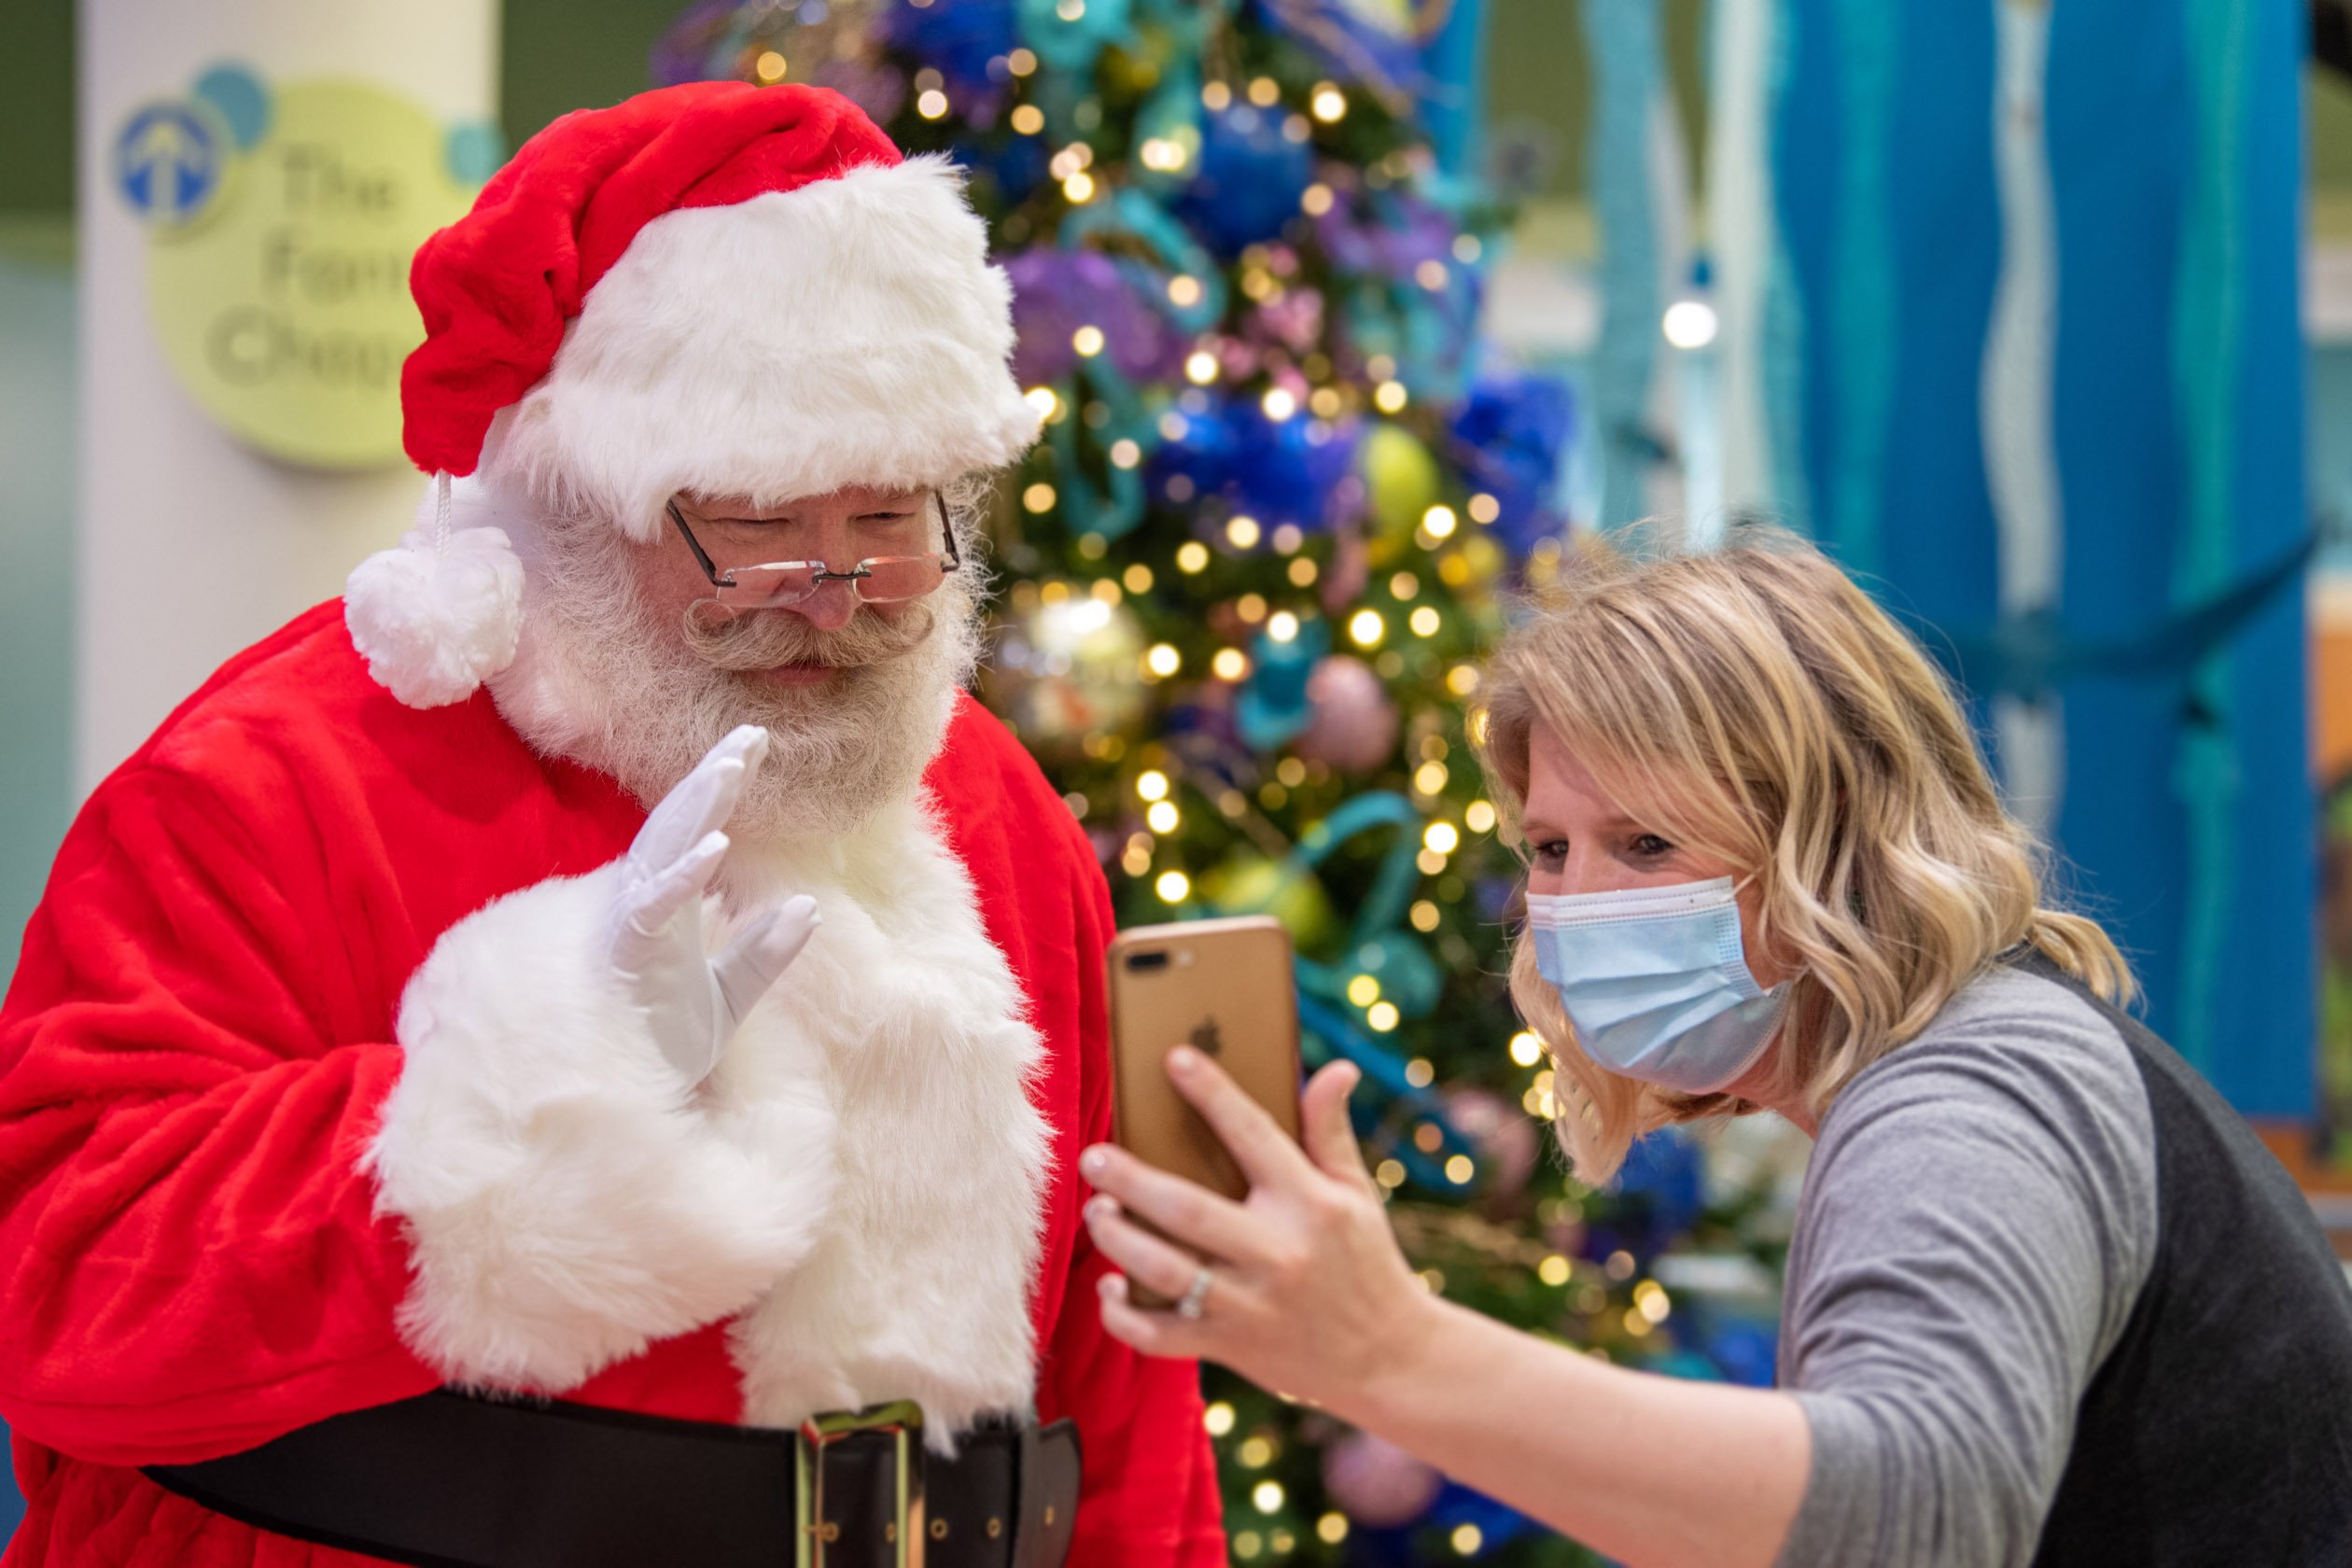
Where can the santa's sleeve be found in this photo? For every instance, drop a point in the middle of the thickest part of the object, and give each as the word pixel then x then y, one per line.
pixel 1151 1473
pixel 190 1260
pixel 230 1205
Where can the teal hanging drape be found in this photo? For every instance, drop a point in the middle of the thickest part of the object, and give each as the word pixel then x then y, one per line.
pixel 2118 584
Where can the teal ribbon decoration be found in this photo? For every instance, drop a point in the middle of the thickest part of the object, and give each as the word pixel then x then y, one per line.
pixel 1273 705
pixel 1377 944
pixel 1431 334
pixel 1069 46
pixel 1379 919
pixel 1072 44
pixel 1172 112
pixel 1133 213
pixel 2208 311
pixel 1435 326
pixel 1862 316
pixel 1114 508
pixel 1330 1034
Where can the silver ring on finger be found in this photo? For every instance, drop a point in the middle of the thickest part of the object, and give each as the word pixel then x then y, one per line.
pixel 1188 1306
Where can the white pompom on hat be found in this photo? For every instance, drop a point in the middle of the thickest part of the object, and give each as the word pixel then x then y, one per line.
pixel 441 614
pixel 716 287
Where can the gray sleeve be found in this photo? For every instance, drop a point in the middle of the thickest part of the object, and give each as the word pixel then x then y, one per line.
pixel 1977 1222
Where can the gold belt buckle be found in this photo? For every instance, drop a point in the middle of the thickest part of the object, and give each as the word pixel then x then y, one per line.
pixel 904 1421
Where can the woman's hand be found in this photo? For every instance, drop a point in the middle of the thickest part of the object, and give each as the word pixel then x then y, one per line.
pixel 1307 1292
pixel 1308 1295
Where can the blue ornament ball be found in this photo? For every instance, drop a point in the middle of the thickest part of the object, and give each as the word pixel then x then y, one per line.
pixel 1657 1196
pixel 1200 450
pixel 1744 1353
pixel 1290 470
pixel 1017 165
pixel 956 37
pixel 1248 179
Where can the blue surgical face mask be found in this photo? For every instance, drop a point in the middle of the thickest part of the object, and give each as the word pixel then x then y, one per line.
pixel 1657 983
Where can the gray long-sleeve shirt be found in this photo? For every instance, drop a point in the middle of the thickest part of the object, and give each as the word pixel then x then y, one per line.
pixel 2049 1301
pixel 1977 1222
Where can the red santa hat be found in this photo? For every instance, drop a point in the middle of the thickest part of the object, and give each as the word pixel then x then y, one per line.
pixel 717 288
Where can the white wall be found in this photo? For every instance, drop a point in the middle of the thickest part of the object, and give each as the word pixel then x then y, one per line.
pixel 192 547
pixel 37 569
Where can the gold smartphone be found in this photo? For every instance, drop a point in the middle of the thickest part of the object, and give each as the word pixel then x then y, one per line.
pixel 1225 987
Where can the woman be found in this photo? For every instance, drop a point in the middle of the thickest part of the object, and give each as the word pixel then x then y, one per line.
pixel 2047 1298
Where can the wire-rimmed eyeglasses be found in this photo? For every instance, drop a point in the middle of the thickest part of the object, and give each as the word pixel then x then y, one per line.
pixel 876 579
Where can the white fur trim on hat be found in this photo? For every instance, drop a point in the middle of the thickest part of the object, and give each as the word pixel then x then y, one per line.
pixel 439 615
pixel 848 333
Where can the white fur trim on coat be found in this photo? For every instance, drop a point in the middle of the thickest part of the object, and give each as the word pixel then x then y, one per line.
pixel 568 1200
pixel 920 1287
pixel 848 333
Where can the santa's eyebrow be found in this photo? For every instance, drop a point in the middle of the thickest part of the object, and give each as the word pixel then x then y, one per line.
pixel 907 509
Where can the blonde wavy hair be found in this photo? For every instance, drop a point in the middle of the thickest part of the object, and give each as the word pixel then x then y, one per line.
pixel 1754 705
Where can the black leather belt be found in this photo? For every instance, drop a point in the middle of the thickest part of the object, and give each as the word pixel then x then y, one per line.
pixel 448 1480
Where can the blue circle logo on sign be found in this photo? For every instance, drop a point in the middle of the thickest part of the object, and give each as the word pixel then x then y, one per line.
pixel 167 163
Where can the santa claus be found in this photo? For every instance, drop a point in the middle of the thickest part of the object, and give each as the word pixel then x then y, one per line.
pixel 576 1053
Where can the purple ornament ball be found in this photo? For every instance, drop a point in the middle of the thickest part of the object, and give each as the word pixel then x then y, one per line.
pixel 1057 291
pixel 1504 1135
pixel 1353 723
pixel 1378 1484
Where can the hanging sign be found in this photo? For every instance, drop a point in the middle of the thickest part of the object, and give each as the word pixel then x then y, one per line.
pixel 281 219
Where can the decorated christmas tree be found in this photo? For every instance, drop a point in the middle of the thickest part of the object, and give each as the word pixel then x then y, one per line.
pixel 1281 499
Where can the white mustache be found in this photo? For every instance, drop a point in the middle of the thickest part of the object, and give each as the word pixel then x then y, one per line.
pixel 765 638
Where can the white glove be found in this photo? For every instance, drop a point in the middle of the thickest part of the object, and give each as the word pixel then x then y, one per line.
pixel 653 932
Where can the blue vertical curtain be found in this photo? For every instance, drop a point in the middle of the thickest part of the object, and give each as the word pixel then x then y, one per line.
pixel 2171 130
pixel 1625 38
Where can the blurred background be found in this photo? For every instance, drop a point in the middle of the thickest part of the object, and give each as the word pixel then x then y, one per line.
pixel 1348 317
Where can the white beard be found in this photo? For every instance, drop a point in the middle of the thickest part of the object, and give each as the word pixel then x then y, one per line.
pixel 601 677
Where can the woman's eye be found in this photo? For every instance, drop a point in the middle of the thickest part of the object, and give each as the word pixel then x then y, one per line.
pixel 1649 847
pixel 1552 853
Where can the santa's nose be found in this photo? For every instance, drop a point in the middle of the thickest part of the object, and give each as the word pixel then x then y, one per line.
pixel 833 605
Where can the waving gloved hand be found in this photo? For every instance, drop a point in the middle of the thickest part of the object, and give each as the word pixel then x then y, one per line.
pixel 653 932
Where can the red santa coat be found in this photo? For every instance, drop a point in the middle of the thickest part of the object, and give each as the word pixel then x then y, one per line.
pixel 214 1232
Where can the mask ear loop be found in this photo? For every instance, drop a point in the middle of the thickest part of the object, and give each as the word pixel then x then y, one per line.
pixel 1738 887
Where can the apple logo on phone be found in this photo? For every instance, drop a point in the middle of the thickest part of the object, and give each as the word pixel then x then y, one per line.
pixel 1204 1038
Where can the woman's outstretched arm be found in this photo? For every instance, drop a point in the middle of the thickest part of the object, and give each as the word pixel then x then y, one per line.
pixel 1311 1296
